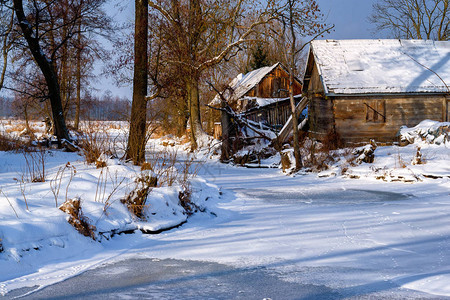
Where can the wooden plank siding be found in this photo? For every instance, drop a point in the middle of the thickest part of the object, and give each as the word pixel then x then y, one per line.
pixel 321 117
pixel 276 85
pixel 354 126
pixel 447 109
pixel 360 118
pixel 274 115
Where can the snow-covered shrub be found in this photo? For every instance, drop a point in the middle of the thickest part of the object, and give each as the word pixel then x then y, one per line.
pixel 418 159
pixel 316 156
pixel 77 219
pixel 287 159
pixel 35 165
pixel 185 198
pixel 136 200
pixel 366 153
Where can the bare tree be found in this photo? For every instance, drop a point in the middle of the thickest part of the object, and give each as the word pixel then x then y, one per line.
pixel 50 32
pixel 413 19
pixel 298 19
pixel 203 34
pixel 6 38
pixel 46 65
pixel 138 121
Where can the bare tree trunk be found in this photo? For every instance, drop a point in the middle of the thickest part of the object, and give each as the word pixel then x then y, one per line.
pixel 138 122
pixel 6 46
pixel 78 78
pixel 226 132
pixel 5 64
pixel 194 111
pixel 297 155
pixel 48 69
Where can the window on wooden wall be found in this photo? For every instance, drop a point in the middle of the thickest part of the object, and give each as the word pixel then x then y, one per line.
pixel 375 111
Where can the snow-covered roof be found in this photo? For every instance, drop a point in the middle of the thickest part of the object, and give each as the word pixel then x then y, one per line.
pixel 382 66
pixel 261 102
pixel 240 85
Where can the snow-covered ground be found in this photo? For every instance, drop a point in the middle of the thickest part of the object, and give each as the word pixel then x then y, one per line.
pixel 358 235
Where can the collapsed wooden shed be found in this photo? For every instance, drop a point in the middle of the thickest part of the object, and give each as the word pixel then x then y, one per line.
pixel 368 89
pixel 262 95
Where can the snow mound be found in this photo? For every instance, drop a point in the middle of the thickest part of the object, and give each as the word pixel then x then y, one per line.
pixel 427 131
pixel 165 211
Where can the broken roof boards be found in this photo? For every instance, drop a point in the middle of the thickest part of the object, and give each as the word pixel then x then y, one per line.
pixel 240 88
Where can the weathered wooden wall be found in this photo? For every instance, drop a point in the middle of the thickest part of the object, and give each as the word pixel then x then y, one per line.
pixel 448 108
pixel 320 116
pixel 274 115
pixel 360 118
pixel 276 85
pixel 354 122
pixel 320 111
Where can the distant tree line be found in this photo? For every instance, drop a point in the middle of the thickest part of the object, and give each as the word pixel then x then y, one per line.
pixel 103 108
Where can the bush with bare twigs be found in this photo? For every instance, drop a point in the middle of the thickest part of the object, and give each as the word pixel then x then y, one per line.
pixel 77 219
pixel 418 158
pixel 35 165
pixel 55 183
pixel 185 197
pixel 137 198
pixel 94 142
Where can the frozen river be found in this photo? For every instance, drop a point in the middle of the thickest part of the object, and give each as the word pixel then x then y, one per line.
pixel 283 237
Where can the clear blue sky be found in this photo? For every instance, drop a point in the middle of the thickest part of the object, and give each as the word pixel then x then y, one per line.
pixel 350 18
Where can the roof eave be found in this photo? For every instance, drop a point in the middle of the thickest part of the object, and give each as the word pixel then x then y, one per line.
pixel 331 94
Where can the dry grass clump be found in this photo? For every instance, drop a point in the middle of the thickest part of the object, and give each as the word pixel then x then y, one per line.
pixel 418 158
pixel 184 197
pixel 136 200
pixel 94 142
pixel 77 219
pixel 8 143
pixel 35 165
pixel 146 166
pixel 15 128
pixel 285 161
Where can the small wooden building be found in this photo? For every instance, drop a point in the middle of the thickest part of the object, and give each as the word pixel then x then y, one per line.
pixel 262 95
pixel 368 89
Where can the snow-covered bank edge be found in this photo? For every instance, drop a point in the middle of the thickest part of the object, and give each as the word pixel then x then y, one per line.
pixel 35 233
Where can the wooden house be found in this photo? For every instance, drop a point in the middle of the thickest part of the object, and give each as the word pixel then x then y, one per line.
pixel 368 89
pixel 262 95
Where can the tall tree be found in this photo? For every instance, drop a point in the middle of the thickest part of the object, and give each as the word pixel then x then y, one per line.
pixel 51 32
pixel 203 34
pixel 259 57
pixel 138 122
pixel 413 19
pixel 298 19
pixel 46 64
pixel 6 38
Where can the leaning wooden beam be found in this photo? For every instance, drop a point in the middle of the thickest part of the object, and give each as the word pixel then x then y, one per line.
pixel 287 128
